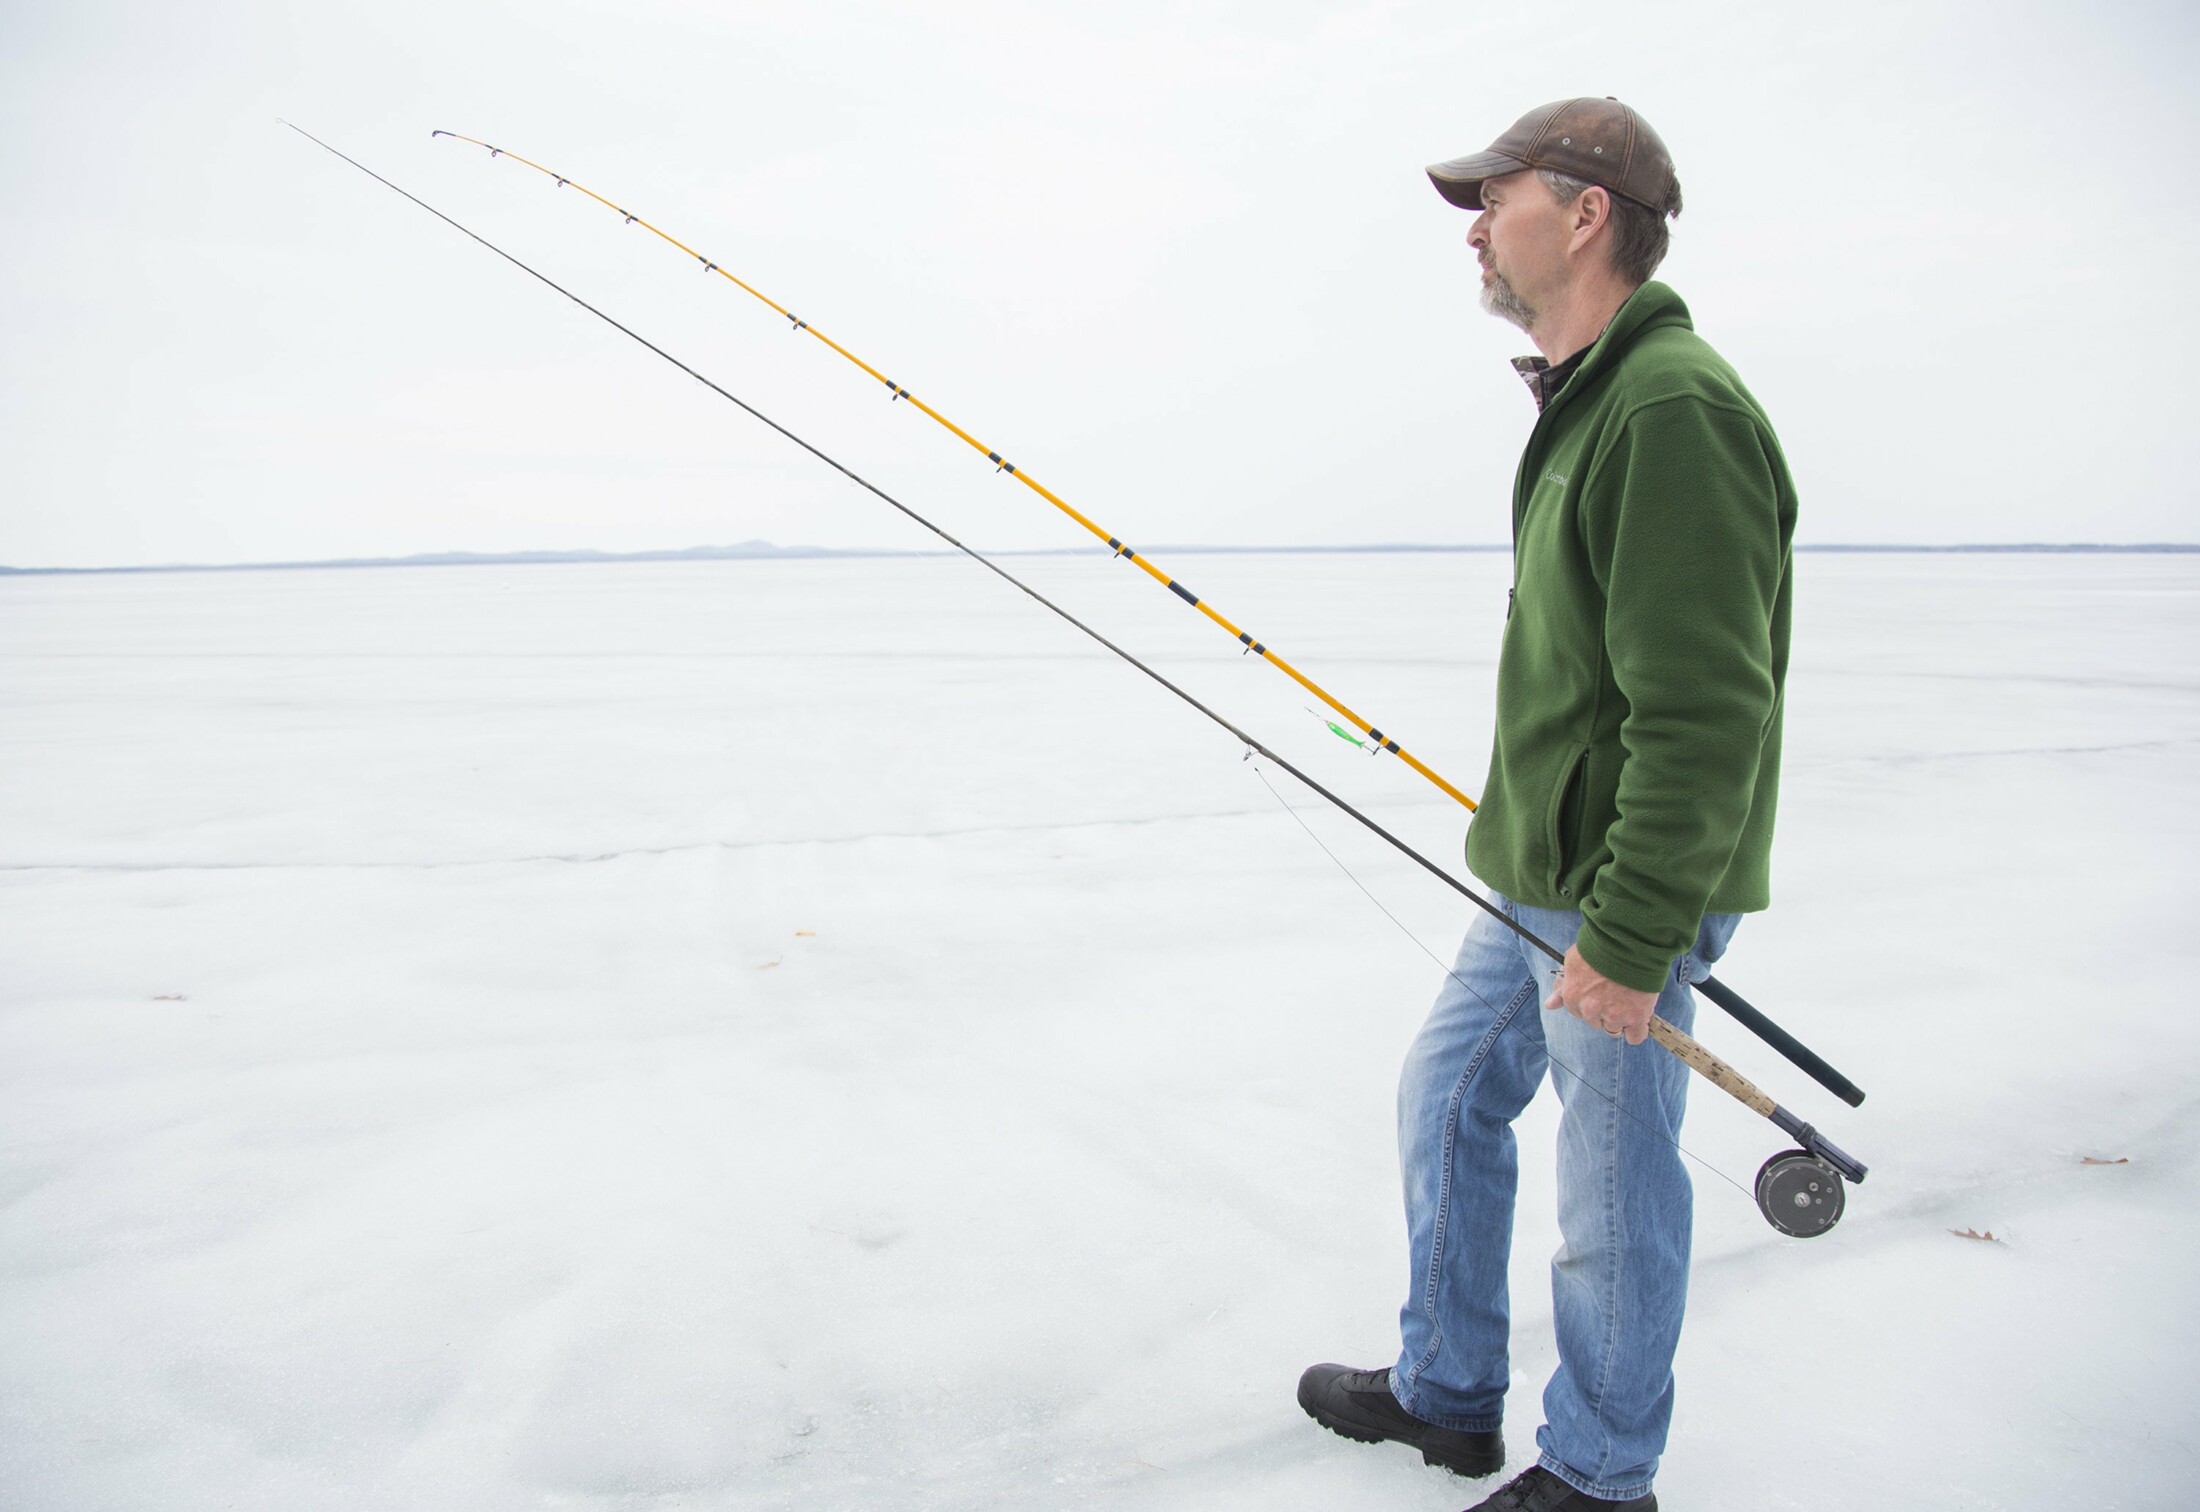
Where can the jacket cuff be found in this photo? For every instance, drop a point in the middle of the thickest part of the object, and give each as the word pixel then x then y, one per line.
pixel 1626 967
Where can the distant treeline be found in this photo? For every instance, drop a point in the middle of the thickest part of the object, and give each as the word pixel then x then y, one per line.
pixel 766 551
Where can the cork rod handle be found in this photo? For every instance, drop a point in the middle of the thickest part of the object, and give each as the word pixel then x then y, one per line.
pixel 1729 1080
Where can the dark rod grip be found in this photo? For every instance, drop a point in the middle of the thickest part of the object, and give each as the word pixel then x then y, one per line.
pixel 1817 1144
pixel 1782 1041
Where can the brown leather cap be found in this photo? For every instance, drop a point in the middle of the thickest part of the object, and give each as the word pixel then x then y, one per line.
pixel 1601 141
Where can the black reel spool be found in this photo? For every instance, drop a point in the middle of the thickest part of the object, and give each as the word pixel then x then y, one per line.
pixel 1800 1194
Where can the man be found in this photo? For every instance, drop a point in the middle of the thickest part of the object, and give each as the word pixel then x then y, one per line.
pixel 1627 817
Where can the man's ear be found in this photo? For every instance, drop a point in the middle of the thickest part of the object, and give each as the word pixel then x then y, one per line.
pixel 1589 212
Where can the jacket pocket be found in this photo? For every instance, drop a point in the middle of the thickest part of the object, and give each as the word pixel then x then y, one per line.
pixel 1562 828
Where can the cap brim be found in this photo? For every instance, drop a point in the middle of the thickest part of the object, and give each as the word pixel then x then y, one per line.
pixel 1461 179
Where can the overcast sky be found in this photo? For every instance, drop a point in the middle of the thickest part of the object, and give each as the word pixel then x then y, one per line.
pixel 1179 261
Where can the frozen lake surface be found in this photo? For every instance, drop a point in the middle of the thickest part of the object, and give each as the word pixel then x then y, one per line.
pixel 819 1034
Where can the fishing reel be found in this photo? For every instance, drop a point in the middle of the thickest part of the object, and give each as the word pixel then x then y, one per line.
pixel 1799 1194
pixel 1802 1192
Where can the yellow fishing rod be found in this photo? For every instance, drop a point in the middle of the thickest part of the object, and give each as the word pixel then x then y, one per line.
pixel 1382 741
pixel 1735 1005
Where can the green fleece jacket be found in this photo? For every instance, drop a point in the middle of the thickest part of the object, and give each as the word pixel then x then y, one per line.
pixel 1637 754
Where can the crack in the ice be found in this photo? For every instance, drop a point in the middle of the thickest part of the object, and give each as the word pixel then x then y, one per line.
pixel 2049 679
pixel 1920 758
pixel 590 858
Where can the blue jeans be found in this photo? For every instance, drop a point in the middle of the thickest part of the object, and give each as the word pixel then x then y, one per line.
pixel 1619 1282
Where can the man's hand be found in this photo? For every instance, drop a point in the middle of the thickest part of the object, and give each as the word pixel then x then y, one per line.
pixel 1598 1001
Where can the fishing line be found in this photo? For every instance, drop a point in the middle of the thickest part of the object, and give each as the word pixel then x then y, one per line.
pixel 1739 1008
pixel 1508 1024
pixel 1820 1154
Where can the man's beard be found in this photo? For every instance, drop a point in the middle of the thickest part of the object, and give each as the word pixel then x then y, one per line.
pixel 1500 299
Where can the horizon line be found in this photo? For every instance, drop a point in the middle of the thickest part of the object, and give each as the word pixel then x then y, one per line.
pixel 767 551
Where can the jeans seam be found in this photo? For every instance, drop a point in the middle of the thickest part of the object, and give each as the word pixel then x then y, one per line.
pixel 1442 1227
pixel 1616 1250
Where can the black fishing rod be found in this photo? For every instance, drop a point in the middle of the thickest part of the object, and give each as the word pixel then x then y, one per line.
pixel 1798 1191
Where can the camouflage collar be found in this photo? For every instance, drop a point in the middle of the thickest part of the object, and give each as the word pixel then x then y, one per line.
pixel 1545 378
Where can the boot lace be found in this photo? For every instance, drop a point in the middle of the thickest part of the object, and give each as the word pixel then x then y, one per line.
pixel 1520 1494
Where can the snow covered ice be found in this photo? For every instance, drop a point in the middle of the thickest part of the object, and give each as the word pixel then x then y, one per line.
pixel 820 1034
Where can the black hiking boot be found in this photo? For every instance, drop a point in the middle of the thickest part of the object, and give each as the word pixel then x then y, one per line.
pixel 1358 1405
pixel 1541 1491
